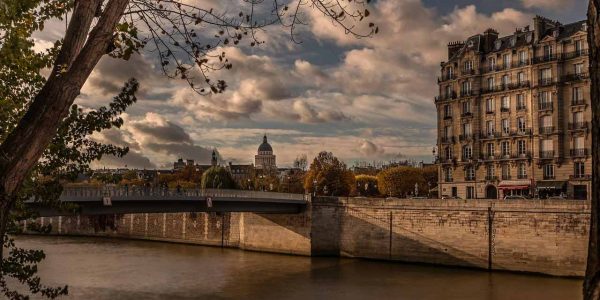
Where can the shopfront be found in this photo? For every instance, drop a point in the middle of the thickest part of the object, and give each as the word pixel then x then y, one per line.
pixel 548 189
pixel 515 188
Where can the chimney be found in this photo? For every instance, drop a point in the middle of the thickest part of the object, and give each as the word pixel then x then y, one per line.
pixel 454 47
pixel 489 37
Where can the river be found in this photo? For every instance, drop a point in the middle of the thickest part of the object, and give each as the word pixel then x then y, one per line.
pixel 99 268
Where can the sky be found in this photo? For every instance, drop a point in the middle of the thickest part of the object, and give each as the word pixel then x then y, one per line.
pixel 368 99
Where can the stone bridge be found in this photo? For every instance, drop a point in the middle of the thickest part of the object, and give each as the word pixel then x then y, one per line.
pixel 107 200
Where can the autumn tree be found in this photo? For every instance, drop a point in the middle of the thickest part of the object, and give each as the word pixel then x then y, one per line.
pixel 36 111
pixel 366 185
pixel 329 176
pixel 430 175
pixel 217 178
pixel 400 181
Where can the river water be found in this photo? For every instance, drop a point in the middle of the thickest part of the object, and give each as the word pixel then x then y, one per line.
pixel 98 268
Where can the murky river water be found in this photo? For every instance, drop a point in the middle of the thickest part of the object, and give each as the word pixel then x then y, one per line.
pixel 96 268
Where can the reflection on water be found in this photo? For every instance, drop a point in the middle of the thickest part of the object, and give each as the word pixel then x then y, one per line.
pixel 97 268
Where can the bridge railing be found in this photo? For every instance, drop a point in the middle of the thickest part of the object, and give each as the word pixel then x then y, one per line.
pixel 133 191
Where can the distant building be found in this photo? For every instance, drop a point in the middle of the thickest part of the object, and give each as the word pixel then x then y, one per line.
pixel 265 159
pixel 514 114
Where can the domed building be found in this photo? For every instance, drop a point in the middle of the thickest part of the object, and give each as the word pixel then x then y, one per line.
pixel 265 160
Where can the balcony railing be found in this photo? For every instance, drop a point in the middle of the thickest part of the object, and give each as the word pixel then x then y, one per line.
pixel 522 131
pixel 489 135
pixel 469 178
pixel 575 54
pixel 518 85
pixel 549 177
pixel 467 157
pixel 544 58
pixel 468 93
pixel 445 97
pixel 447 116
pixel 575 77
pixel 521 176
pixel 522 155
pixel 467 114
pixel 465 137
pixel 491 177
pixel 576 102
pixel 546 82
pixel 471 71
pixel 580 177
pixel 578 126
pixel 523 63
pixel 545 105
pixel 547 154
pixel 547 130
pixel 579 152
pixel 506 177
pixel 446 77
pixel 521 107
pixel 447 140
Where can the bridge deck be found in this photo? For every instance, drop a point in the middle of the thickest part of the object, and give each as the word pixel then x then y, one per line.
pixel 121 200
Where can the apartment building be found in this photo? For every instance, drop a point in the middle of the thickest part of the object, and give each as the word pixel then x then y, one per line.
pixel 514 114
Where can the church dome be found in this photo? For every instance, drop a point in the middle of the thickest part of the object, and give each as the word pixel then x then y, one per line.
pixel 265 146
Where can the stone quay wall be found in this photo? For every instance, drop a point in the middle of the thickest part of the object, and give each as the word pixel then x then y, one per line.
pixel 542 236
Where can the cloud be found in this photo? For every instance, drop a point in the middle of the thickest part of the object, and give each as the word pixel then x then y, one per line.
pixel 369 149
pixel 548 4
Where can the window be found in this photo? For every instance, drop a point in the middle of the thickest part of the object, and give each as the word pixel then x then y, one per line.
pixel 505 81
pixel 492 63
pixel 546 121
pixel 490 172
pixel 548 52
pixel 505 103
pixel 578 117
pixel 505 146
pixel 545 99
pixel 489 127
pixel 466 87
pixel 450 72
pixel 470 192
pixel 448 153
pixel 521 78
pixel 549 171
pixel 505 126
pixel 547 148
pixel 579 47
pixel 522 57
pixel 521 101
pixel 466 129
pixel 505 172
pixel 469 173
pixel 577 94
pixel 489 105
pixel 467 152
pixel 490 149
pixel 579 143
pixel 468 65
pixel 522 171
pixel 447 132
pixel 579 171
pixel 521 124
pixel 490 83
pixel 578 69
pixel 506 60
pixel 521 147
pixel 466 107
pixel 546 74
pixel 447 111
pixel 448 174
pixel 448 91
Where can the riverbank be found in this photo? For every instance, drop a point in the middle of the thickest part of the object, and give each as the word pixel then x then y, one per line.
pixel 547 237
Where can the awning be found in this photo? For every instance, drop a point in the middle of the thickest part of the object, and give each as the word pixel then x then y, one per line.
pixel 551 185
pixel 514 185
pixel 435 189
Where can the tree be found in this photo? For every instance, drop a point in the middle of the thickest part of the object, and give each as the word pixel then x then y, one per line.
pixel 36 110
pixel 301 162
pixel 329 176
pixel 400 181
pixel 591 285
pixel 366 185
pixel 217 178
pixel 430 174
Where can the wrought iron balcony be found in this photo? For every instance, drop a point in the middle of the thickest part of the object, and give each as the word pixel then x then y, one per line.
pixel 491 177
pixel 446 77
pixel 547 130
pixel 521 107
pixel 575 54
pixel 575 77
pixel 576 102
pixel 467 114
pixel 580 177
pixel 468 93
pixel 522 155
pixel 506 177
pixel 523 131
pixel 447 140
pixel 545 105
pixel 489 135
pixel 465 137
pixel 544 58
pixel 578 126
pixel 579 152
pixel 547 154
pixel 521 176
pixel 445 97
pixel 546 82
pixel 549 177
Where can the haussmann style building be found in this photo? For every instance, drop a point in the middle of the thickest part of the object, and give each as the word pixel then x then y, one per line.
pixel 514 114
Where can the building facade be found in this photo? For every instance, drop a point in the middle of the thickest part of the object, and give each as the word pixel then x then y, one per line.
pixel 265 160
pixel 514 114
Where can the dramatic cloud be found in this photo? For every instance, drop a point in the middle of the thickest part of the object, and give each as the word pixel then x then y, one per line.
pixel 548 4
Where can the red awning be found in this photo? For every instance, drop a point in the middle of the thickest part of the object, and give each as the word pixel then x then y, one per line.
pixel 514 185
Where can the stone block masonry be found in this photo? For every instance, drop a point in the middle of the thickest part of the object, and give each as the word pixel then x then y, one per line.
pixel 548 236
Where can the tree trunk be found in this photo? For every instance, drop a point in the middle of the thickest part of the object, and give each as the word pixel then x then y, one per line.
pixel 591 285
pixel 81 51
